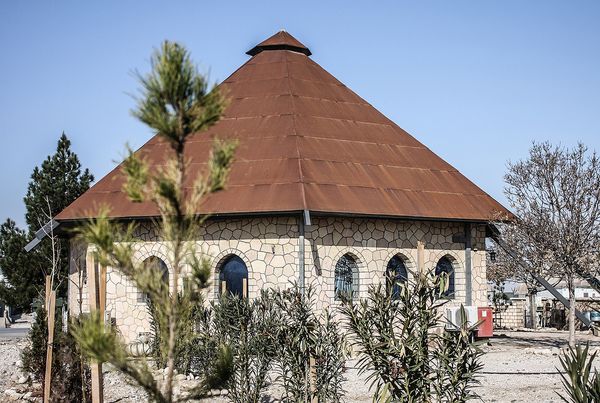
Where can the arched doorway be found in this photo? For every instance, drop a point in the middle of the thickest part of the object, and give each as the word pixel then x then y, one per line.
pixel 233 276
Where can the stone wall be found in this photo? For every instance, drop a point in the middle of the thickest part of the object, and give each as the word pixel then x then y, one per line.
pixel 511 316
pixel 269 246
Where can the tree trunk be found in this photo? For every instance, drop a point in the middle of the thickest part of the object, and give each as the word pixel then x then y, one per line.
pixel 532 310
pixel 571 312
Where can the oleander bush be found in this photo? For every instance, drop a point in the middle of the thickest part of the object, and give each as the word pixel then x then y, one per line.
pixel 306 336
pixel 403 346
pixel 249 329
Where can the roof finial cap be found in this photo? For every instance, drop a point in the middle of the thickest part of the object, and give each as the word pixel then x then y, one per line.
pixel 280 41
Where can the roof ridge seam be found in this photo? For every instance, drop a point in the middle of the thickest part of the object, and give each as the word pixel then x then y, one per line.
pixel 259 184
pixel 363 142
pixel 389 188
pixel 228 186
pixel 383 165
pixel 300 96
pixel 301 178
pixel 332 161
pixel 273 78
pixel 421 147
pixel 292 78
pixel 320 117
pixel 253 138
pixel 240 160
pixel 388 122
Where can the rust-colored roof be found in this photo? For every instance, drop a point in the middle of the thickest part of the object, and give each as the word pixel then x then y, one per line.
pixel 307 142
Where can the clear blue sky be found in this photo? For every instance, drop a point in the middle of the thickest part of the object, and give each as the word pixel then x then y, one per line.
pixel 476 81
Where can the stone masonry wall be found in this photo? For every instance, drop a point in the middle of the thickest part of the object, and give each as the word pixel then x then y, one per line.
pixel 511 316
pixel 269 246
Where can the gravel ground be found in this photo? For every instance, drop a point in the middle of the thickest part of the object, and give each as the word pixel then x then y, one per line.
pixel 522 366
pixel 518 367
pixel 10 350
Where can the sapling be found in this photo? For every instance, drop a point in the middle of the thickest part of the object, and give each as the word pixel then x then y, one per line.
pixel 177 103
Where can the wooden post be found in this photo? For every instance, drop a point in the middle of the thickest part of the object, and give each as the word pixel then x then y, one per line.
pixel 420 256
pixel 48 378
pixel 102 293
pixel 245 287
pixel 96 367
pixel 47 294
pixel 223 287
pixel 313 380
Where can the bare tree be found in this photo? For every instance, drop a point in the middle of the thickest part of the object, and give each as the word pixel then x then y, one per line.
pixel 555 194
pixel 538 263
pixel 55 247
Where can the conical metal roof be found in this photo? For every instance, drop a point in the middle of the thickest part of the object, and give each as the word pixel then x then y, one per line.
pixel 307 142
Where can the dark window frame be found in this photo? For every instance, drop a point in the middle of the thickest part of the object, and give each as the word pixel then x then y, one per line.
pixel 346 277
pixel 396 274
pixel 445 265
pixel 142 297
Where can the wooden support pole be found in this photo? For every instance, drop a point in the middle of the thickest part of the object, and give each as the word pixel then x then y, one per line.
pixel 223 287
pixel 51 316
pixel 420 256
pixel 102 293
pixel 245 287
pixel 47 294
pixel 95 367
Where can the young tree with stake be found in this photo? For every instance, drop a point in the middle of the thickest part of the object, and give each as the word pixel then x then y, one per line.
pixel 177 103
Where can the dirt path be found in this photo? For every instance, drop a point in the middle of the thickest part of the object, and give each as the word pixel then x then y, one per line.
pixel 522 366
pixel 518 367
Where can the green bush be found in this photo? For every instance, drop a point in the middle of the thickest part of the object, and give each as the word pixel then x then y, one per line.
pixel 249 329
pixel 304 335
pixel 185 346
pixel 71 379
pixel 244 341
pixel 33 356
pixel 200 349
pixel 404 348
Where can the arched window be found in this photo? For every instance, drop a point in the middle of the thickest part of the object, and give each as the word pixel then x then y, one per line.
pixel 396 274
pixel 154 263
pixel 444 265
pixel 233 276
pixel 346 277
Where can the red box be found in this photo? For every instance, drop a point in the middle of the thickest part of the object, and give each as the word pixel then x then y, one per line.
pixel 486 316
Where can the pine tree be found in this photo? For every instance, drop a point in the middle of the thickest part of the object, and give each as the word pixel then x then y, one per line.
pixel 58 182
pixel 20 284
pixel 53 186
